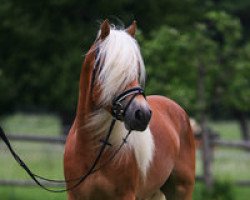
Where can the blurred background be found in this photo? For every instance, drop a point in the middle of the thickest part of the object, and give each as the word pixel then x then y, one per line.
pixel 195 52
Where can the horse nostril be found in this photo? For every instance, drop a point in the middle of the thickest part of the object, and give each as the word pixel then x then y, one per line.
pixel 138 115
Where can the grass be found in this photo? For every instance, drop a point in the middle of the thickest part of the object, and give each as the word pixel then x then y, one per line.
pixel 232 164
pixel 46 159
pixel 43 159
pixel 44 124
pixel 228 130
pixel 18 193
pixel 228 164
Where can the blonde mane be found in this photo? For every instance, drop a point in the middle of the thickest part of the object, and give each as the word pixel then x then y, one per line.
pixel 120 62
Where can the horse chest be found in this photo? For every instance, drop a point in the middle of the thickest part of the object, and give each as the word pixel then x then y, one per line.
pixel 107 184
pixel 114 180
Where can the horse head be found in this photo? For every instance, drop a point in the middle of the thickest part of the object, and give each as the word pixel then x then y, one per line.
pixel 117 75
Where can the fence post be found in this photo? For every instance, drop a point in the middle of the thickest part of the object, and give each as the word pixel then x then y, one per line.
pixel 206 148
pixel 206 156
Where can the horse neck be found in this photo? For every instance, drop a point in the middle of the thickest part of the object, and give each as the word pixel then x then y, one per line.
pixel 85 109
pixel 85 104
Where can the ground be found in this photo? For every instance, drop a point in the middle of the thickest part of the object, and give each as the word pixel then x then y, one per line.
pixel 46 159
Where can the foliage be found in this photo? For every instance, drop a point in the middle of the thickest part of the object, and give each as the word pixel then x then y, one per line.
pixel 221 190
pixel 173 57
pixel 41 54
pixel 41 44
pixel 239 87
pixel 37 55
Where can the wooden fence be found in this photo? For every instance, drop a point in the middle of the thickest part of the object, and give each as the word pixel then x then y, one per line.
pixel 208 151
pixel 60 140
pixel 212 141
pixel 39 139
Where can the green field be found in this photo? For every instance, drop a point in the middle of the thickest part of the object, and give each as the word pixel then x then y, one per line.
pixel 43 159
pixel 46 159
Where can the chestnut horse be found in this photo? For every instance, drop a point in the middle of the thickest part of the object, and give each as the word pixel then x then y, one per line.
pixel 158 159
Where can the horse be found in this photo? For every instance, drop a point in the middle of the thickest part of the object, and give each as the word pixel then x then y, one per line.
pixel 157 160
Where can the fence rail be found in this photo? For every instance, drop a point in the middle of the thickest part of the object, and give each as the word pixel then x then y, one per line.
pixel 36 138
pixel 61 140
pixel 215 142
pixel 28 183
pixel 231 144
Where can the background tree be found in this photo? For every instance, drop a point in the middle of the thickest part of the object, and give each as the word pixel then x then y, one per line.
pixel 43 44
pixel 231 85
pixel 216 44
pixel 173 58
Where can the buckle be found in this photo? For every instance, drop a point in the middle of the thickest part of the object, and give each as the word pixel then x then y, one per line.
pixel 118 111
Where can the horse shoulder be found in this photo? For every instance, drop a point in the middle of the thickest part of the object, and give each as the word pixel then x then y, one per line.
pixel 170 126
pixel 170 112
pixel 178 131
pixel 175 115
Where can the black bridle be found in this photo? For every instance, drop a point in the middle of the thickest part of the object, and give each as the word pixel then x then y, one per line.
pixel 118 113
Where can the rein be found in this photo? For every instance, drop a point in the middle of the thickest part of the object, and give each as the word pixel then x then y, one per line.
pixel 118 113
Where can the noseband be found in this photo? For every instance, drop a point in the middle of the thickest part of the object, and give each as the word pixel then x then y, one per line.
pixel 118 110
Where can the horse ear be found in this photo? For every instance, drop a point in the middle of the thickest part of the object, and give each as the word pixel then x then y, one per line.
pixel 132 29
pixel 105 29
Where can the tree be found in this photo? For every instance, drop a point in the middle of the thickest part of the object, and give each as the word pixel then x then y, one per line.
pixel 172 59
pixel 41 44
pixel 232 85
pixel 41 54
pixel 216 44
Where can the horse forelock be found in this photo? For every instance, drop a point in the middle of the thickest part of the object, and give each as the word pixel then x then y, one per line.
pixel 118 62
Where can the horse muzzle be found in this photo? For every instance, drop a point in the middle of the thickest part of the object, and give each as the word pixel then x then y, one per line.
pixel 137 116
pixel 134 112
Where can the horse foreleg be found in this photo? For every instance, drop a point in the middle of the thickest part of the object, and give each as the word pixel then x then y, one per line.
pixel 180 184
pixel 179 191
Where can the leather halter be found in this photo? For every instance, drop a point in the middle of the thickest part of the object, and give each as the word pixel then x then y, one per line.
pixel 118 111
